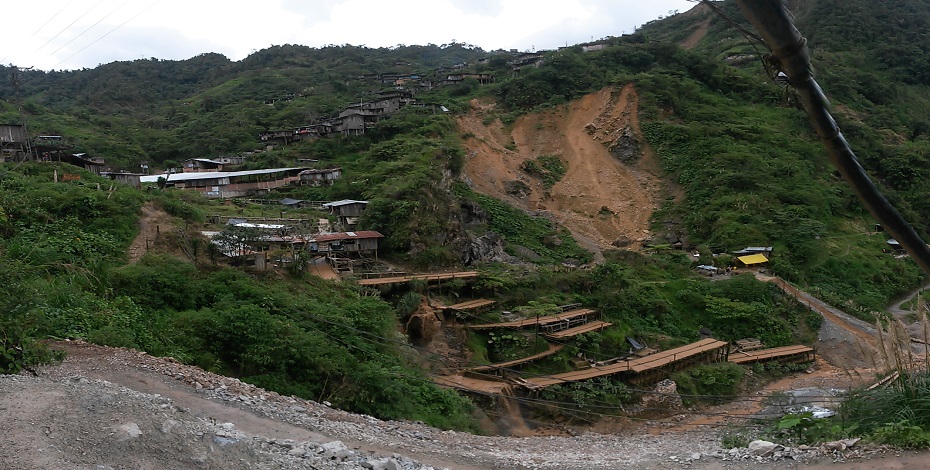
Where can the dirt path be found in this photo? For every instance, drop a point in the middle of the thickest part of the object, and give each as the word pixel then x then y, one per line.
pixel 152 223
pixel 896 309
pixel 604 202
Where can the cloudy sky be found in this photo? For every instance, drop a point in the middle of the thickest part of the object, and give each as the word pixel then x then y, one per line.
pixel 69 34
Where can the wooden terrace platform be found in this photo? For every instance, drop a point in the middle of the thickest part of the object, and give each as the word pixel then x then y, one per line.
pixel 476 304
pixel 796 353
pixel 469 384
pixel 596 325
pixel 663 358
pixel 414 277
pixel 553 348
pixel 644 367
pixel 541 321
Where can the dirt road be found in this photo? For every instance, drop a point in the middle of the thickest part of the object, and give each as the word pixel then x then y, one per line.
pixel 106 408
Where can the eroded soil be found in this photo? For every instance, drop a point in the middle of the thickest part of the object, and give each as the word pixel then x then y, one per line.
pixel 603 201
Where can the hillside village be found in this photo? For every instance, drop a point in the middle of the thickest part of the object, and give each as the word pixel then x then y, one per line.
pixel 539 245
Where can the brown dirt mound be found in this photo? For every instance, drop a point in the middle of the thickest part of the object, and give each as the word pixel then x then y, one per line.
pixel 604 202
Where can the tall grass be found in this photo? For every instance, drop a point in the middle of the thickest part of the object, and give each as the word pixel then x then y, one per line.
pixel 897 413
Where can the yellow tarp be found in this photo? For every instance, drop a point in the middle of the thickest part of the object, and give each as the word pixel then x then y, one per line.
pixel 750 260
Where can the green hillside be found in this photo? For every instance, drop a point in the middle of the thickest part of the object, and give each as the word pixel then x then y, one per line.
pixel 750 170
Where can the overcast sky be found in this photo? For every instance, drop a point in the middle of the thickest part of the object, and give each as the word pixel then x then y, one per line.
pixel 69 34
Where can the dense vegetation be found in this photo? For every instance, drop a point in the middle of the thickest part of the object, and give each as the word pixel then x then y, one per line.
pixel 751 171
pixel 63 256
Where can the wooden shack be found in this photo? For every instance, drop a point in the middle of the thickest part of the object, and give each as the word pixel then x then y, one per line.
pixel 363 242
pixel 347 210
pixel 324 177
pixel 13 141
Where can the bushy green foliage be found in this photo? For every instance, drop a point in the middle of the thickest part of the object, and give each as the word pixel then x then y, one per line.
pixel 518 228
pixel 549 168
pixel 902 434
pixel 310 338
pixel 20 320
pixel 601 395
pixel 709 382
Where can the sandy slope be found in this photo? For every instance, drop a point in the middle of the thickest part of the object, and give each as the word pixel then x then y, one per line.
pixel 600 199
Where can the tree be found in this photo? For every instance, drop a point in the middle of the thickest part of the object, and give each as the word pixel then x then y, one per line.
pixel 236 241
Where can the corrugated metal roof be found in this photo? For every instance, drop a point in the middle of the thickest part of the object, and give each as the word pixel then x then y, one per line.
pixel 364 234
pixel 344 202
pixel 214 174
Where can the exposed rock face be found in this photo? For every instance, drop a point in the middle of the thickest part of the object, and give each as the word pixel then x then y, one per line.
pixel 626 147
pixel 622 242
pixel 488 247
pixel 666 396
pixel 517 188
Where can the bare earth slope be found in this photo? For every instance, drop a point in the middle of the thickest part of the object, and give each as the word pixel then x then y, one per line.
pixel 603 201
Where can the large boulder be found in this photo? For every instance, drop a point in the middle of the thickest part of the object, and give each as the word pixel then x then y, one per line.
pixel 626 147
pixel 762 448
pixel 488 247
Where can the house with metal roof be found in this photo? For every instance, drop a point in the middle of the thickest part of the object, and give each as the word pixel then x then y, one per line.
pixel 362 242
pixel 220 184
pixel 324 177
pixel 751 250
pixel 202 164
pixel 348 211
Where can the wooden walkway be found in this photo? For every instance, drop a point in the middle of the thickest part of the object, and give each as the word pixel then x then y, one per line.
pixel 476 304
pixel 541 321
pixel 641 365
pixel 469 384
pixel 414 277
pixel 796 353
pixel 596 325
pixel 553 348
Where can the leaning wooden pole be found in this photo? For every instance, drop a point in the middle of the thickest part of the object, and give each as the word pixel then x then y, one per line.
pixel 773 21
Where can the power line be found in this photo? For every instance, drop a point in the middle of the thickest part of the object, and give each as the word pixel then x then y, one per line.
pixel 69 26
pixel 91 27
pixel 52 18
pixel 109 32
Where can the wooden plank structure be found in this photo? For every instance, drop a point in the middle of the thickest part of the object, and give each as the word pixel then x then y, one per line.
pixel 577 375
pixel 657 366
pixel 494 386
pixel 645 369
pixel 500 366
pixel 579 330
pixel 746 344
pixel 471 306
pixel 579 315
pixel 423 277
pixel 796 353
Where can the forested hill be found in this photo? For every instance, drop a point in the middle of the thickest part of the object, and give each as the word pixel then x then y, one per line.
pixel 736 165
pixel 154 110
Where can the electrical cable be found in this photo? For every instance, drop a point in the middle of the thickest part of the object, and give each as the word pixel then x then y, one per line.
pixel 108 33
pixel 69 25
pixel 789 49
pixel 52 18
pixel 90 27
